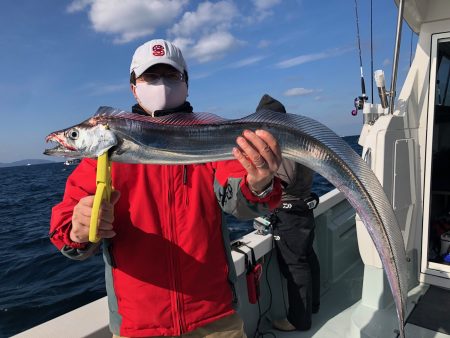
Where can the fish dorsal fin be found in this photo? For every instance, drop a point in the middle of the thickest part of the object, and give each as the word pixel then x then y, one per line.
pixel 303 124
pixel 187 119
pixel 104 111
pixel 176 119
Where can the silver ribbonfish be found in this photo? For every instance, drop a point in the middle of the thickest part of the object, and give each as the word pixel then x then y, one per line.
pixel 184 138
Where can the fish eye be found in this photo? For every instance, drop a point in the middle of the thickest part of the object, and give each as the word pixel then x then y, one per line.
pixel 73 134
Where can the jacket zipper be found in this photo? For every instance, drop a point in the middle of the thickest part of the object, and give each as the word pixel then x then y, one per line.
pixel 174 264
pixel 185 185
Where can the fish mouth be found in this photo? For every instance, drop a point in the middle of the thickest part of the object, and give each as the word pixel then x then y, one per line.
pixel 61 147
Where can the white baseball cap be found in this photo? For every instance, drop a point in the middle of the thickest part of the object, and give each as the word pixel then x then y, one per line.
pixel 154 52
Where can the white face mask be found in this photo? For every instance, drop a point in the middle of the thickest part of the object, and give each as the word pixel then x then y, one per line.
pixel 163 95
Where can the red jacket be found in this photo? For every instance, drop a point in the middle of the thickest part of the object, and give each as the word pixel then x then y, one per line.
pixel 167 270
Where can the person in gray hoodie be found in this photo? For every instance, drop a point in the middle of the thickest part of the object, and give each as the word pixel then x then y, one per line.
pixel 293 228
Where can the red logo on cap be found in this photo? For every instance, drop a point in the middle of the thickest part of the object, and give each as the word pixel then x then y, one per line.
pixel 158 50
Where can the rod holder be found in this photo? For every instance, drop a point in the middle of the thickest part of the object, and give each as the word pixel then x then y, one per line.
pixel 381 85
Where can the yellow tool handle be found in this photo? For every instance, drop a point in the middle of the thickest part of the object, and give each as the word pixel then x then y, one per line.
pixel 102 192
pixel 100 195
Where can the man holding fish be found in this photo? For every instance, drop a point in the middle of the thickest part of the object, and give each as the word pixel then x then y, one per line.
pixel 168 272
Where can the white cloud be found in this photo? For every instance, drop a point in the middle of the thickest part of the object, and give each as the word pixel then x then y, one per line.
pixel 263 44
pixel 205 35
pixel 184 44
pixel 262 9
pixel 131 19
pixel 208 16
pixel 386 62
pixel 312 57
pixel 213 46
pixel 246 62
pixel 298 92
pixel 78 5
pixel 262 5
pixel 302 59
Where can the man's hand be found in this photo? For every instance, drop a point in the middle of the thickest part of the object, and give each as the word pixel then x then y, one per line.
pixel 81 218
pixel 260 154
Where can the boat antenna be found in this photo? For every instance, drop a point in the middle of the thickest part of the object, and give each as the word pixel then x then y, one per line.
pixel 359 101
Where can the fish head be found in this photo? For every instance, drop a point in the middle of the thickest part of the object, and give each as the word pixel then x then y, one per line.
pixel 88 139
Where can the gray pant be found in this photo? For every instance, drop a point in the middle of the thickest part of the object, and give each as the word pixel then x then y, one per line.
pixel 228 327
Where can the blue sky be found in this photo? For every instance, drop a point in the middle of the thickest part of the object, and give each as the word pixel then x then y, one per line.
pixel 61 60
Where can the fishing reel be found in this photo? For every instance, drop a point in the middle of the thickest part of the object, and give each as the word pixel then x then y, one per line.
pixel 359 103
pixel 263 224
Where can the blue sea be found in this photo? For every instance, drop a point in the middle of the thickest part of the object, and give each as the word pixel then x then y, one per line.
pixel 37 283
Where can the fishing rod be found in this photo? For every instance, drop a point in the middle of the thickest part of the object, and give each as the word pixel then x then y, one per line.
pixel 360 100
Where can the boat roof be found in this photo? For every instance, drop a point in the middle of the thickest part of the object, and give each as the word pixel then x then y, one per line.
pixel 417 12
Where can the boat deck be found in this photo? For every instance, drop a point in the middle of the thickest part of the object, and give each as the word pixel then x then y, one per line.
pixel 336 303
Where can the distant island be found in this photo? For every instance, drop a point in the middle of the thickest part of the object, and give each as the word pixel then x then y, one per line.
pixel 26 162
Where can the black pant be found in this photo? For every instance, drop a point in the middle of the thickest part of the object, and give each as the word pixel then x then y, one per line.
pixel 294 225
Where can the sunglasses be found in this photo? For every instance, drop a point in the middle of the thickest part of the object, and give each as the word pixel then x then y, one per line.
pixel 155 77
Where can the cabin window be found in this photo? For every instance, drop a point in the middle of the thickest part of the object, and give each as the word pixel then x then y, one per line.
pixel 439 217
pixel 442 81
